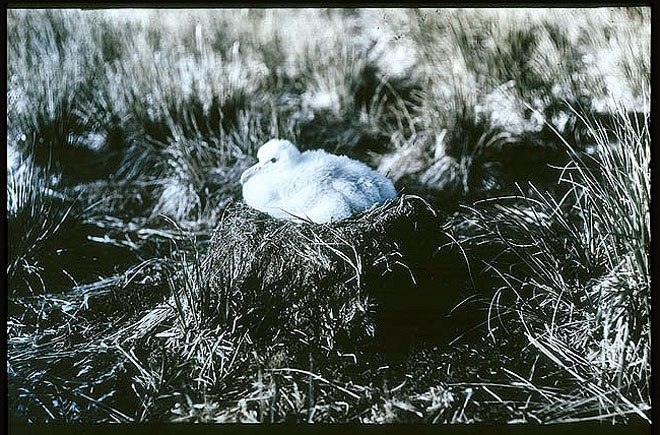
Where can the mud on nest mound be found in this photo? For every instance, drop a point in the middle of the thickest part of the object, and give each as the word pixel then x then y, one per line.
pixel 382 273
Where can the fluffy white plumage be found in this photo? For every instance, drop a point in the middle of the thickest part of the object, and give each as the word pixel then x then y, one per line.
pixel 313 185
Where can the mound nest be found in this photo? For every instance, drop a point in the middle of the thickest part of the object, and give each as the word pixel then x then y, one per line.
pixel 333 285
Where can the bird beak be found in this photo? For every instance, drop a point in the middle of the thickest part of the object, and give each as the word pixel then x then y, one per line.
pixel 250 172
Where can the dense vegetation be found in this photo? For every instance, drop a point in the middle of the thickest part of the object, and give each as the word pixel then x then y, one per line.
pixel 510 282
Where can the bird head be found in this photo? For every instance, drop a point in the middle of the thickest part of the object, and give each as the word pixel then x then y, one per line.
pixel 276 153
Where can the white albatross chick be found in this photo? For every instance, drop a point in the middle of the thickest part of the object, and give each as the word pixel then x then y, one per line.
pixel 314 185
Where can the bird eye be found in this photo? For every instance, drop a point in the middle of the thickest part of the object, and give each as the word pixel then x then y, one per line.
pixel 273 160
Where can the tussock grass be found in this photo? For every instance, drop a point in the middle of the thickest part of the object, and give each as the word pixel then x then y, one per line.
pixel 35 214
pixel 509 75
pixel 574 272
pixel 509 282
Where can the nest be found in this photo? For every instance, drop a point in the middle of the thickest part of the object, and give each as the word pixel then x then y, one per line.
pixel 330 285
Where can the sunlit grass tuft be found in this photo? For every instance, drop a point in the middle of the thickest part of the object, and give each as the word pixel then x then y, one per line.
pixel 574 273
